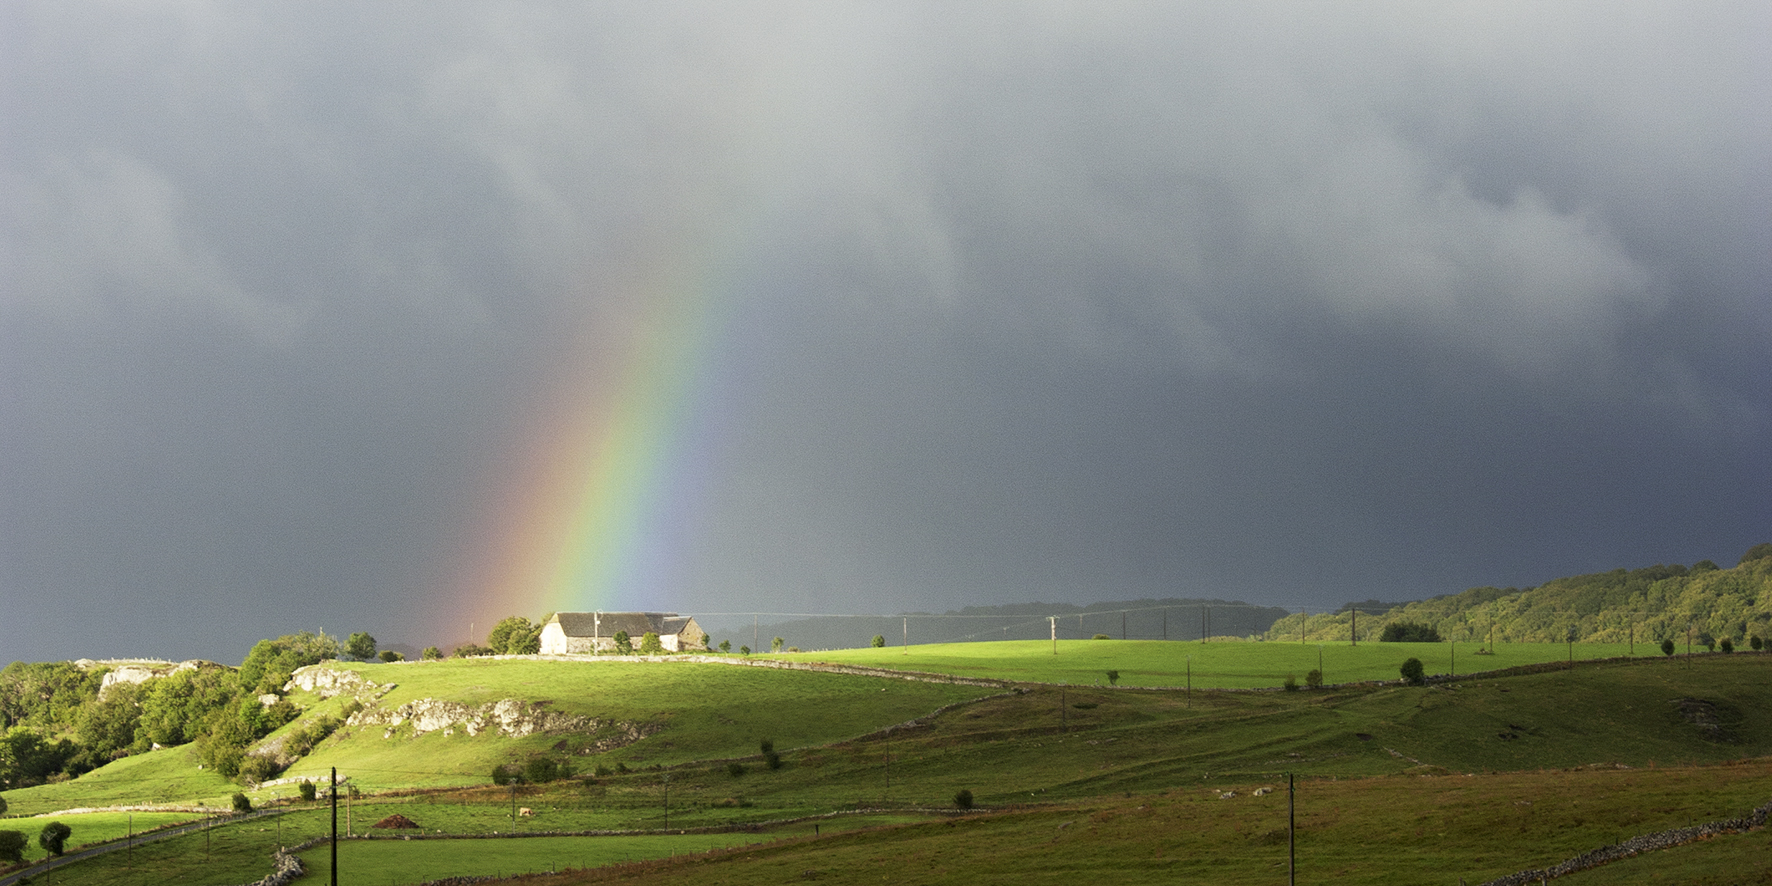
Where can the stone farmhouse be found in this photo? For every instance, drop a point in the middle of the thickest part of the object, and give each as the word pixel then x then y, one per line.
pixel 591 632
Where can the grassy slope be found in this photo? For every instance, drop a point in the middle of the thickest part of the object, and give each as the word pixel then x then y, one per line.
pixel 704 711
pixel 1013 750
pixel 1229 665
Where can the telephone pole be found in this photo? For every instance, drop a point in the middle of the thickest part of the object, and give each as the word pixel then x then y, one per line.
pixel 334 796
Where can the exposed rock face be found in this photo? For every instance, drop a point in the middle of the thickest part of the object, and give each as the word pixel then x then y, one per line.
pixel 508 717
pixel 333 681
pixel 142 671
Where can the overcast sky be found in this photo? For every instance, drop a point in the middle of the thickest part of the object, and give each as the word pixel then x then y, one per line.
pixel 950 303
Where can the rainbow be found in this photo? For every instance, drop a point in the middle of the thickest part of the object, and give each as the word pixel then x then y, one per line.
pixel 596 498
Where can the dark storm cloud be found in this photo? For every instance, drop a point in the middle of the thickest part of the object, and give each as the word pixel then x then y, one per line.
pixel 1297 304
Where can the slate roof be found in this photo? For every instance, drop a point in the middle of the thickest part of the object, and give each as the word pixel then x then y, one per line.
pixel 608 624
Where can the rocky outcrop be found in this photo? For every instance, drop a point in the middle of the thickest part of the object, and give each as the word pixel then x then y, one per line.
pixel 508 717
pixel 140 671
pixel 334 681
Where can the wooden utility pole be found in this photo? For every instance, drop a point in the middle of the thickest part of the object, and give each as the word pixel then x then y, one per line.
pixel 1291 834
pixel 1053 619
pixel 334 796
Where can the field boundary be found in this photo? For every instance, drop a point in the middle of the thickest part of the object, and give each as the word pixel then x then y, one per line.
pixel 1667 839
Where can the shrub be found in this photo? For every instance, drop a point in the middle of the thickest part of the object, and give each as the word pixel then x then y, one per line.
pixel 879 641
pixel 307 789
pixel 624 645
pixel 54 837
pixel 1291 684
pixel 1314 679
pixel 650 644
pixel 744 650
pixel 541 770
pixel 431 653
pixel 735 769
pixel 1757 643
pixel 242 803
pixel 12 846
pixel 472 650
pixel 390 656
pixel 1667 647
pixel 256 768
pixel 963 798
pixel 776 644
pixel 502 776
pixel 770 757
pixel 1412 671
pixel 1113 678
pixel 1727 644
pixel 1101 637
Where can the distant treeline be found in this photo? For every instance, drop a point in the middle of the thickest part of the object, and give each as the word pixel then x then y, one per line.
pixel 1169 619
pixel 1703 603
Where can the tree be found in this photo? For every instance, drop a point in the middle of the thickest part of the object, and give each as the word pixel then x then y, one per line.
pixel 744 650
pixel 1408 632
pixel 54 837
pixel 963 798
pixel 2 805
pixel 650 644
pixel 472 650
pixel 879 641
pixel 242 803
pixel 502 776
pixel 1290 684
pixel 431 653
pixel 514 635
pixel 624 645
pixel 1761 551
pixel 12 846
pixel 1113 678
pixel 360 646
pixel 307 790
pixel 1314 679
pixel 1755 642
pixel 1412 671
pixel 1667 647
pixel 1727 644
pixel 725 645
pixel 770 757
pixel 776 644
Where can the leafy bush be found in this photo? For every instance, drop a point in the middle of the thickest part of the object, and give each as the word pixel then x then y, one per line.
pixel 1727 644
pixel 431 653
pixel 390 656
pixel 541 770
pixel 1101 637
pixel 963 798
pixel 879 641
pixel 650 644
pixel 1113 678
pixel 1667 647
pixel 770 757
pixel 256 769
pixel 472 650
pixel 1291 684
pixel 307 790
pixel 725 645
pixel 1757 643
pixel 502 776
pixel 624 645
pixel 242 803
pixel 12 846
pixel 776 644
pixel 54 837
pixel 735 769
pixel 1408 632
pixel 1413 673
pixel 744 650
pixel 1314 679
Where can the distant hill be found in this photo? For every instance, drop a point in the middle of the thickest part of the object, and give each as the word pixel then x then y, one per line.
pixel 1647 605
pixel 1171 619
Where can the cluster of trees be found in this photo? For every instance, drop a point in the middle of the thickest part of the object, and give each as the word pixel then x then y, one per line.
pixel 1645 605
pixel 53 838
pixel 55 723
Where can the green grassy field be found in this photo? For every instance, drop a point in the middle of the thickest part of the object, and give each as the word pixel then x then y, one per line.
pixel 1214 665
pixel 1047 755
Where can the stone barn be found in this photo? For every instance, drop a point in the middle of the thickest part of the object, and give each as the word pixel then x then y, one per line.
pixel 591 632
